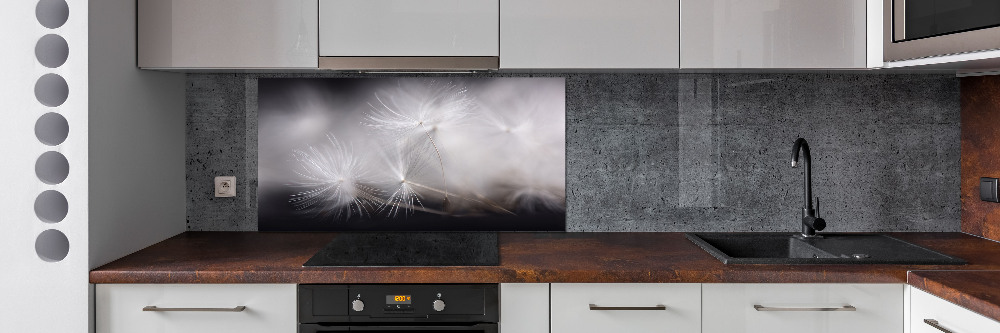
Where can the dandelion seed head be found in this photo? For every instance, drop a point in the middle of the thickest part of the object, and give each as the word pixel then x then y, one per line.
pixel 416 107
pixel 402 164
pixel 333 181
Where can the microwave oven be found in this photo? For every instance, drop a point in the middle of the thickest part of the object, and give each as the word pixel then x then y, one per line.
pixel 915 29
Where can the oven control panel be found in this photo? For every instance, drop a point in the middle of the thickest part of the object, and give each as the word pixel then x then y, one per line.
pixel 419 299
pixel 398 303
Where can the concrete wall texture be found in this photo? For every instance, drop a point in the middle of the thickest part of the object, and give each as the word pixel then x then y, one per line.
pixel 680 152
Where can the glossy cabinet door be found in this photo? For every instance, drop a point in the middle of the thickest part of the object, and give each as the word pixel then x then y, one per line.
pixel 409 28
pixel 774 34
pixel 227 34
pixel 524 308
pixel 946 315
pixel 589 34
pixel 269 308
pixel 626 307
pixel 802 308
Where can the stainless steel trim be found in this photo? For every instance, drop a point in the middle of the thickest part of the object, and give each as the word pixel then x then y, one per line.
pixel 759 307
pixel 963 42
pixel 158 309
pixel 935 324
pixel 410 63
pixel 628 308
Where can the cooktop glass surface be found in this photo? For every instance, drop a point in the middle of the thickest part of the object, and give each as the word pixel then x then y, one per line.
pixel 409 249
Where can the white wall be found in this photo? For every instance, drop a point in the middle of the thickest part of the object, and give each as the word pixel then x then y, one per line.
pixel 125 150
pixel 137 185
pixel 36 295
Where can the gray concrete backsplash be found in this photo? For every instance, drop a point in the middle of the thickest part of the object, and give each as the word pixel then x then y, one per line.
pixel 679 152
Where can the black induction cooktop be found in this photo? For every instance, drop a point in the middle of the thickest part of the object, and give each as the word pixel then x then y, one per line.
pixel 409 249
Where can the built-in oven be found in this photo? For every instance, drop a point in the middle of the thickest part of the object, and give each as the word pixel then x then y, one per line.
pixel 387 308
pixel 927 28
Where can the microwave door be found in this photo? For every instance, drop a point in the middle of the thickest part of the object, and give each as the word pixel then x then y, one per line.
pixel 916 19
pixel 914 29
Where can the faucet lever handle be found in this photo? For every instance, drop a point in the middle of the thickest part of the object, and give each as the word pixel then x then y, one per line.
pixel 817 206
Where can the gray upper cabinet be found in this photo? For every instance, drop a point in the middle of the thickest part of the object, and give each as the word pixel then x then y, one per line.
pixel 409 34
pixel 220 34
pixel 582 34
pixel 408 28
pixel 550 34
pixel 779 34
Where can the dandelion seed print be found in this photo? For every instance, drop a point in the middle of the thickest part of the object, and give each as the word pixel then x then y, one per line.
pixel 331 181
pixel 418 110
pixel 402 171
pixel 411 154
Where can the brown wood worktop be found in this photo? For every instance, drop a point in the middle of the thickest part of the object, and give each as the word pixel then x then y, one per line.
pixel 253 257
pixel 978 291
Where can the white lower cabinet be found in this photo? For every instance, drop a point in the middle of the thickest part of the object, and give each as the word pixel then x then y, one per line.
pixel 570 308
pixel 930 314
pixel 524 308
pixel 626 307
pixel 802 308
pixel 196 308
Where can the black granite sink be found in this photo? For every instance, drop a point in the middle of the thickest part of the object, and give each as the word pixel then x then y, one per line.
pixel 786 248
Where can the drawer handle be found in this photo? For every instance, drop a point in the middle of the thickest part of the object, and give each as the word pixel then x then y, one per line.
pixel 629 308
pixel 935 324
pixel 234 309
pixel 759 307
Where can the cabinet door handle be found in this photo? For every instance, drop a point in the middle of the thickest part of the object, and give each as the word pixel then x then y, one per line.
pixel 233 309
pixel 630 308
pixel 759 307
pixel 935 324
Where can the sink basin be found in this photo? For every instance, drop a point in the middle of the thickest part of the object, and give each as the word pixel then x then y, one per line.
pixel 786 248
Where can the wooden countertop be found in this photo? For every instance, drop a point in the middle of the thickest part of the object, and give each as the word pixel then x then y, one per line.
pixel 253 257
pixel 978 291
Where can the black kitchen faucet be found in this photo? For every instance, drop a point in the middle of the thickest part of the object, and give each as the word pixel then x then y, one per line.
pixel 810 222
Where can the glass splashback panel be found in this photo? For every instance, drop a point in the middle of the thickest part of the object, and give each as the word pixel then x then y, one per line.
pixel 411 154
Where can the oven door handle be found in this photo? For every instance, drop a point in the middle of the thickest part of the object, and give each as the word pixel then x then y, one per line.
pixel 413 327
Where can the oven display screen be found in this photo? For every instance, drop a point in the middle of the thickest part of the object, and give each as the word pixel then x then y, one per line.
pixel 397 299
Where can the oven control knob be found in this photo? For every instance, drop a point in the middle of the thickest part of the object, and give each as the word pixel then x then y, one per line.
pixel 358 305
pixel 438 305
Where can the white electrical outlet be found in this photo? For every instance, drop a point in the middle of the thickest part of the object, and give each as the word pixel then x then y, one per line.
pixel 225 186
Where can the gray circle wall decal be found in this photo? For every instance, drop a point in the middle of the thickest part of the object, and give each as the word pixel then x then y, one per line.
pixel 51 129
pixel 51 206
pixel 52 13
pixel 52 245
pixel 51 90
pixel 51 51
pixel 52 168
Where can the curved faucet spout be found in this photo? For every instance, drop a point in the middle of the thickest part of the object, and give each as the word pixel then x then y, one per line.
pixel 810 222
pixel 803 146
